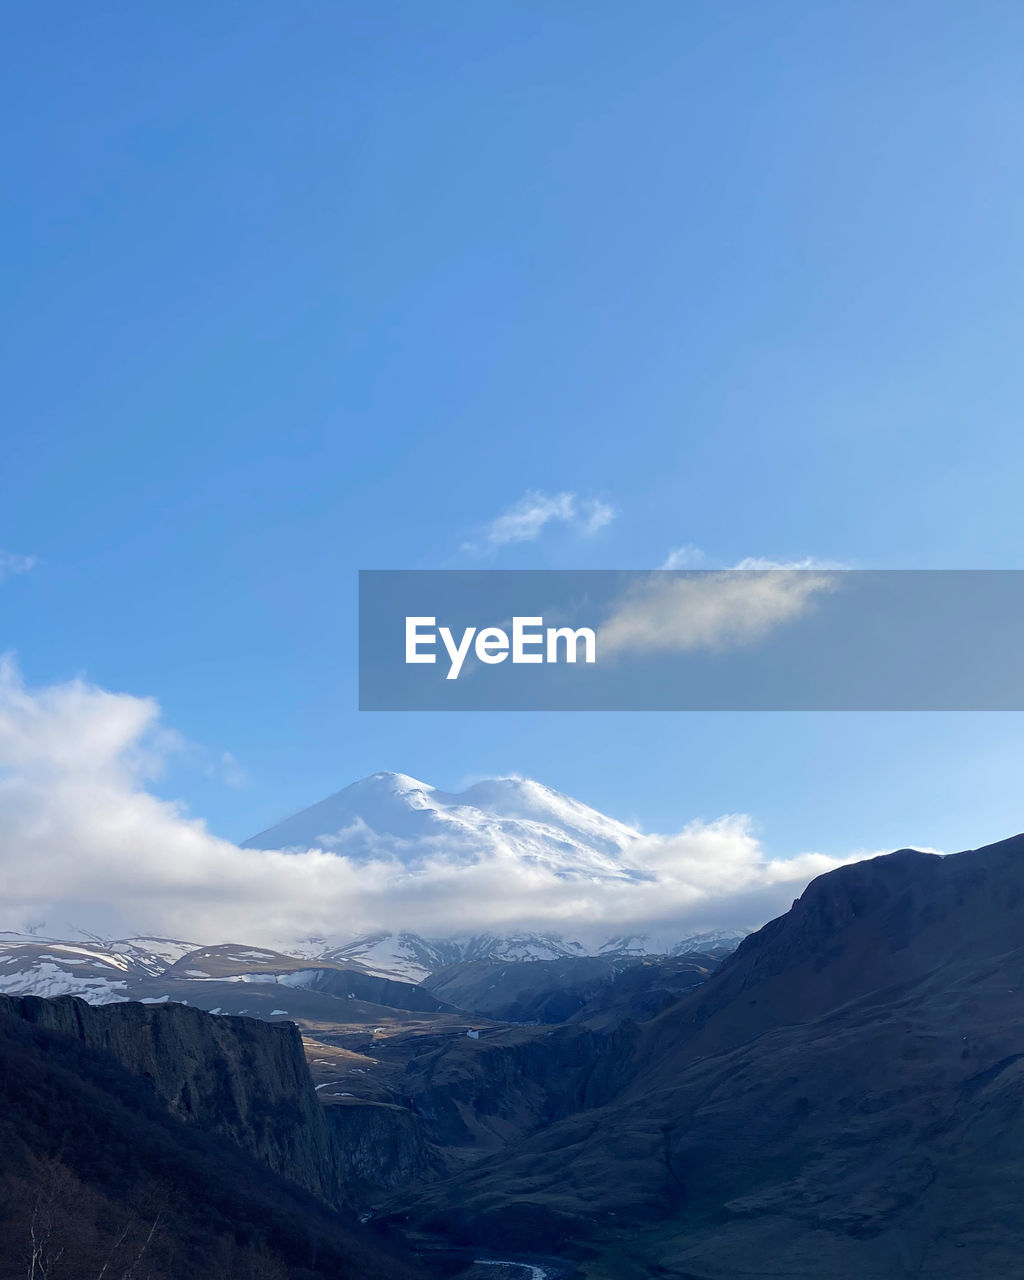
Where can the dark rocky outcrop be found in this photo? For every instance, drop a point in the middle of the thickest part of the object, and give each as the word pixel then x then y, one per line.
pixel 238 1077
pixel 379 1146
pixel 100 1175
pixel 478 1095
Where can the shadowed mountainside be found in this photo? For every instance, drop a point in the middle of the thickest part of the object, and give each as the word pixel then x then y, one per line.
pixel 842 1099
pixel 237 1077
pixel 102 1174
pixel 544 991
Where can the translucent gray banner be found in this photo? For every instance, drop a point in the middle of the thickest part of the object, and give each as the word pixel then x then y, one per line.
pixel 709 640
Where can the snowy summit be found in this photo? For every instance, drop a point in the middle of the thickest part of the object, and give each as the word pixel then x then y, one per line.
pixel 391 815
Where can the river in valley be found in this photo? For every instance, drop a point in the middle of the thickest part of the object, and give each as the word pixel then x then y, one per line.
pixel 515 1270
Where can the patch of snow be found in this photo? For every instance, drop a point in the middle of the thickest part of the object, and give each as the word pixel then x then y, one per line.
pixel 168 950
pixel 48 979
pixel 293 978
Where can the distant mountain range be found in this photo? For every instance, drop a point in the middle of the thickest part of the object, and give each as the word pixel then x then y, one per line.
pixel 238 978
pixel 385 816
pixel 413 958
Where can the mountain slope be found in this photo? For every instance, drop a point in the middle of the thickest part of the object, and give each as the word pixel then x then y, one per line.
pixel 103 1172
pixel 413 958
pixel 547 991
pixel 226 978
pixel 239 1077
pixel 843 1098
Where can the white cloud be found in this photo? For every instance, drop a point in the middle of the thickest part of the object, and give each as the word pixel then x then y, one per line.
pixel 594 515
pixel 85 843
pixel 689 556
pixel 708 611
pixel 230 772
pixel 11 563
pixel 526 520
pixel 685 557
pixel 225 769
pixel 758 564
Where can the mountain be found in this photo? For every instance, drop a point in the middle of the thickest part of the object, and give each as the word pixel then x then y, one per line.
pixel 382 968
pixel 224 978
pixel 100 971
pixel 244 1079
pixel 843 1098
pixel 548 991
pixel 169 1144
pixel 386 816
pixel 390 815
pixel 414 958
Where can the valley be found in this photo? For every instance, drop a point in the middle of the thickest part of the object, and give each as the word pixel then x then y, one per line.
pixel 837 1095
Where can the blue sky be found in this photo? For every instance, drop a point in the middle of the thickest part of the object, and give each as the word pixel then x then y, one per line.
pixel 295 290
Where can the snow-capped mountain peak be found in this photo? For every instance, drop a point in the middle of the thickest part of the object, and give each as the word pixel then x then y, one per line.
pixel 402 822
pixel 394 816
pixel 386 782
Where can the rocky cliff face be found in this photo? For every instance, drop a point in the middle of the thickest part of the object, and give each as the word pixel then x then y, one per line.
pixel 238 1077
pixel 101 1176
pixel 378 1147
pixel 480 1094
